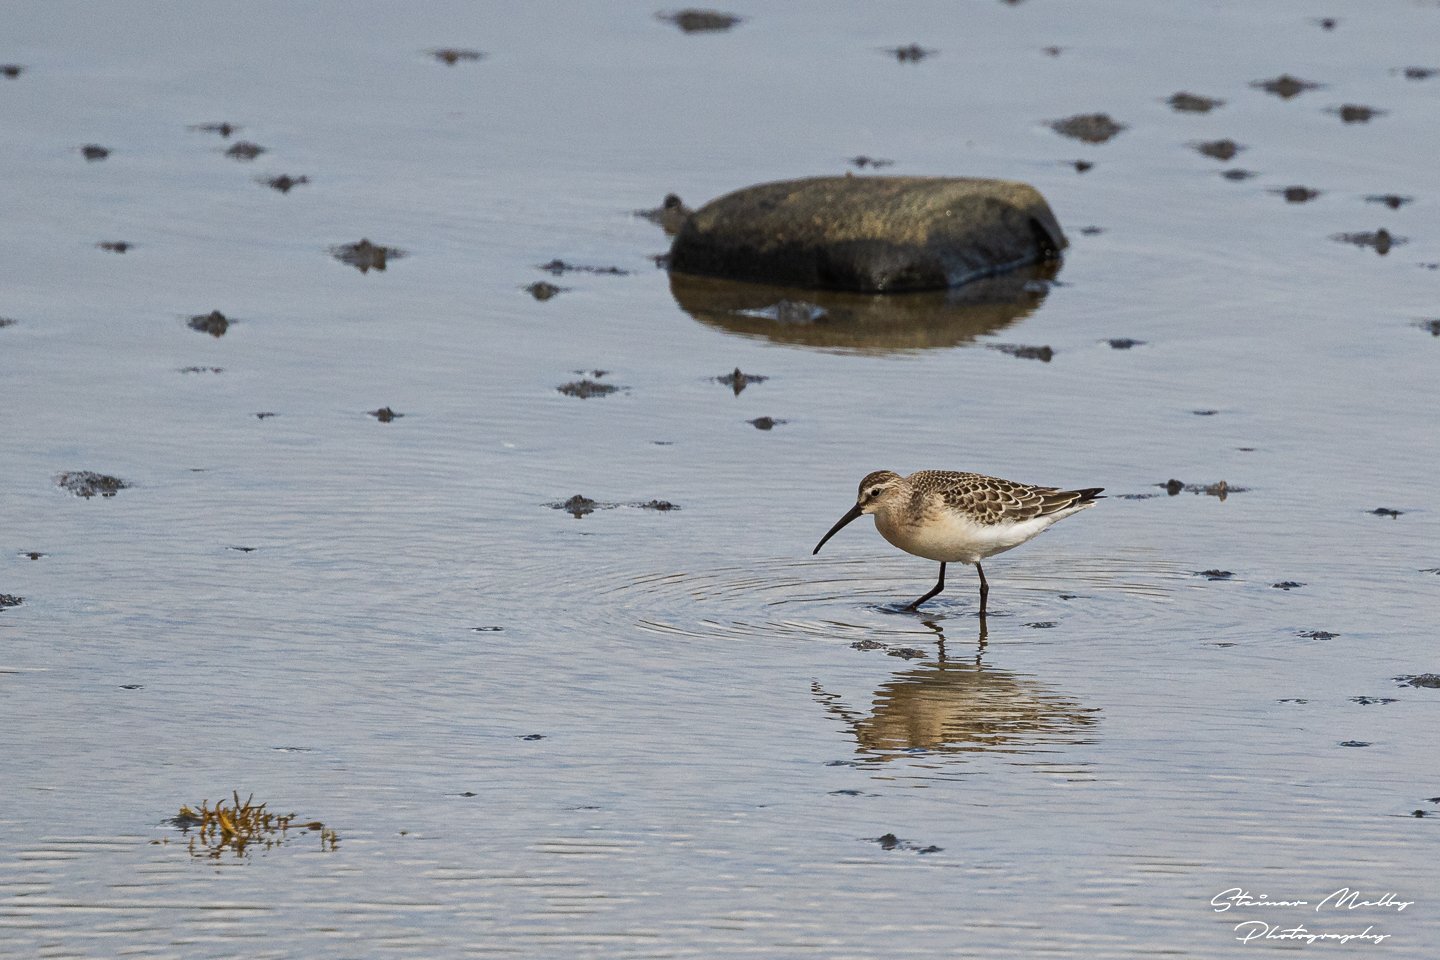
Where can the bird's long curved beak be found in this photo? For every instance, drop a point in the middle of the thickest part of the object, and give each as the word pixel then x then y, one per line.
pixel 855 511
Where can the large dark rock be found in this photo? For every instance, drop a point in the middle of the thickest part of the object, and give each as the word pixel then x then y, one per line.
pixel 869 234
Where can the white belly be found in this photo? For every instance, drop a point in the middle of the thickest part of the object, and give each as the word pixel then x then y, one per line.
pixel 951 537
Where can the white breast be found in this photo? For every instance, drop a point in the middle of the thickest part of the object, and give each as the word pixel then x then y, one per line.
pixel 951 537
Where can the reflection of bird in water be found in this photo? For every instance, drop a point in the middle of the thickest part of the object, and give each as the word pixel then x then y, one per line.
pixel 954 707
pixel 946 516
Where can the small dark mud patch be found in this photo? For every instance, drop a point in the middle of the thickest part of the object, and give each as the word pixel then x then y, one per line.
pixel 239 828
pixel 1285 86
pixel 214 323
pixel 366 256
pixel 1296 194
pixel 874 163
pixel 1354 743
pixel 558 267
pixel 1193 103
pixel 1355 113
pixel 224 129
pixel 913 53
pixel 1392 200
pixel 738 381
pixel 701 21
pixel 1124 343
pixel 1081 165
pixel 284 183
pixel 114 246
pixel 1431 327
pixel 579 505
pixel 245 151
pixel 587 388
pixel 1088 127
pixel 1221 489
pixel 1382 240
pixel 765 423
pixel 1043 354
pixel 1430 680
pixel 1316 635
pixel 1370 701
pixel 93 152
pixel 451 55
pixel 905 653
pixel 543 291
pixel 1385 512
pixel 670 216
pixel 87 483
pixel 1287 585
pixel 11 70
pixel 1238 174
pixel 891 842
pixel 202 369
pixel 1420 73
pixel 1222 150
pixel 8 600
pixel 1215 574
pixel 1092 231
pixel 384 414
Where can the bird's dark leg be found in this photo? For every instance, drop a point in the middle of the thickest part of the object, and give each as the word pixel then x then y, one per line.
pixel 938 587
pixel 984 588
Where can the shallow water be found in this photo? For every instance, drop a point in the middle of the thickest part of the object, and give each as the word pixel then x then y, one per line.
pixel 718 763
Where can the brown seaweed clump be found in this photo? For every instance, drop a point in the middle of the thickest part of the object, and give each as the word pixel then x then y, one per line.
pixel 239 827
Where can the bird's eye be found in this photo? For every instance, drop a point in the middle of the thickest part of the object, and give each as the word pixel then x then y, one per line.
pixel 875 492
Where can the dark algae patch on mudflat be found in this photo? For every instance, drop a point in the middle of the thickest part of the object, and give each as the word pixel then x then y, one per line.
pixel 283 183
pixel 453 55
pixel 214 323
pixel 700 21
pixel 1222 150
pixel 586 388
pixel 1284 86
pixel 366 256
pixel 1296 194
pixel 1193 103
pixel 1381 240
pixel 738 381
pixel 1088 127
pixel 88 483
pixel 245 150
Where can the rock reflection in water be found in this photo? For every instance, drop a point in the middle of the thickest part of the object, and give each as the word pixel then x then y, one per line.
pixel 868 323
pixel 952 706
